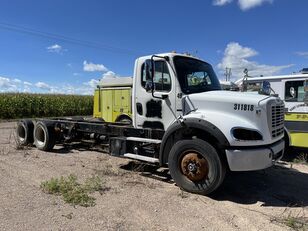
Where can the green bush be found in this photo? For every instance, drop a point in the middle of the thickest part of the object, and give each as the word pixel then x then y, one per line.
pixel 23 105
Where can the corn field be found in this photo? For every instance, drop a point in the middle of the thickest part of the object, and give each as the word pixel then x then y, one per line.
pixel 23 105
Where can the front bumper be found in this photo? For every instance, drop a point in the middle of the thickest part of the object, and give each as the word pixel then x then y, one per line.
pixel 255 158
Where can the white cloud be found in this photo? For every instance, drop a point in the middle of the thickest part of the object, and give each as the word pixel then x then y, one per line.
pixel 55 49
pixel 5 82
pixel 16 85
pixel 91 67
pixel 27 83
pixel 243 4
pixel 237 57
pixel 8 84
pixel 17 81
pixel 221 2
pixel 302 53
pixel 92 83
pixel 248 4
pixel 109 75
pixel 43 85
pixel 11 85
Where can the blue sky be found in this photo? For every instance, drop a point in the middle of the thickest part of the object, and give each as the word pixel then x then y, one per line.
pixel 66 46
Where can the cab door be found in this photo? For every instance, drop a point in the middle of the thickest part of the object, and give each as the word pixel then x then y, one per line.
pixel 155 112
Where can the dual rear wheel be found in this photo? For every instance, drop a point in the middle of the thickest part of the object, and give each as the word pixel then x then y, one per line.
pixel 41 134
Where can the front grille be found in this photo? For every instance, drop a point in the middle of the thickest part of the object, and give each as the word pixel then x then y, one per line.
pixel 277 120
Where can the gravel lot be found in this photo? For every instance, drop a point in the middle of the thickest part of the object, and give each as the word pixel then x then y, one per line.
pixel 141 197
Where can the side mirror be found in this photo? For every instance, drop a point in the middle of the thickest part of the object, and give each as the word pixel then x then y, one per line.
pixel 265 88
pixel 149 68
pixel 244 86
pixel 306 85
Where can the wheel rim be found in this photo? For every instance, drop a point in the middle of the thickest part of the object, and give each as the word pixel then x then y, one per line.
pixel 40 135
pixel 194 166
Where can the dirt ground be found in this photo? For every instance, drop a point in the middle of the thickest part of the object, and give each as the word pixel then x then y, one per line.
pixel 141 197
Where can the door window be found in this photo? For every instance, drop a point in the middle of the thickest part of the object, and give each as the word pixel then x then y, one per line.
pixel 162 78
pixel 294 91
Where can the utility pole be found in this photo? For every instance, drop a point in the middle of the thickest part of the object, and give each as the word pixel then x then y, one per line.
pixel 228 73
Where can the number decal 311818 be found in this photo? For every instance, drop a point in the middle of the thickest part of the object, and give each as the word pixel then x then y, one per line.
pixel 243 107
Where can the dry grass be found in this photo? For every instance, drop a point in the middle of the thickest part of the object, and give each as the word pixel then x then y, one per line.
pixel 297 221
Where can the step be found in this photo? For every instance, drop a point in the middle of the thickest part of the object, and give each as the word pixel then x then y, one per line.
pixel 143 158
pixel 145 140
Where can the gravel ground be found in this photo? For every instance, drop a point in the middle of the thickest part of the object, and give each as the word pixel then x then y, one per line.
pixel 141 197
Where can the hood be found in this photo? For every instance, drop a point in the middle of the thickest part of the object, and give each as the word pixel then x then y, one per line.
pixel 225 101
pixel 227 110
pixel 228 96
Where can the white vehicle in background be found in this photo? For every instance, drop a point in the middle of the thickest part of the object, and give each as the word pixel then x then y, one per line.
pixel 293 90
pixel 228 85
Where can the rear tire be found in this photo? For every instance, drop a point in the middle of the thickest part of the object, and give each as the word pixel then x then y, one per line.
pixel 196 166
pixel 24 132
pixel 44 136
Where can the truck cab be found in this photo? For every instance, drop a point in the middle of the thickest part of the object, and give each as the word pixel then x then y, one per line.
pixel 181 95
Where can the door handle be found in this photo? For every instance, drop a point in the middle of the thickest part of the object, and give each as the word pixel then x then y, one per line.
pixel 139 108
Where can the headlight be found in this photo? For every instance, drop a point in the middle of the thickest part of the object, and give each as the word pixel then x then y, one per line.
pixel 246 134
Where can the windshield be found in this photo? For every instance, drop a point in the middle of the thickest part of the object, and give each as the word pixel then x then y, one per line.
pixel 195 76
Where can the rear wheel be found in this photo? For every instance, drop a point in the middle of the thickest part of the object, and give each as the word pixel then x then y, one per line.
pixel 196 166
pixel 44 136
pixel 24 132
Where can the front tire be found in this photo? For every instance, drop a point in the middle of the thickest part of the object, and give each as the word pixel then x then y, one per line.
pixel 196 166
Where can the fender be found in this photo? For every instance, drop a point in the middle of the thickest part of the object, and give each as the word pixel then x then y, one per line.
pixel 123 116
pixel 187 123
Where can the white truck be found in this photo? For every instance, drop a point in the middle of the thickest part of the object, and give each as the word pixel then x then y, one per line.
pixel 180 118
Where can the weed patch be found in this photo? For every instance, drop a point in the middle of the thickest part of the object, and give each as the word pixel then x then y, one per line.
pixel 73 192
pixel 301 159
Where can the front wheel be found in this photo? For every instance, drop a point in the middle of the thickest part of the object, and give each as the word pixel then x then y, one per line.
pixel 196 166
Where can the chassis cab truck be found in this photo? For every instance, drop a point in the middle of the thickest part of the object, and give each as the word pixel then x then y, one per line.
pixel 181 118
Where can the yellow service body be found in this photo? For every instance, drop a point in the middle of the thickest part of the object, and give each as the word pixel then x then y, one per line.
pixel 113 100
pixel 298 138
